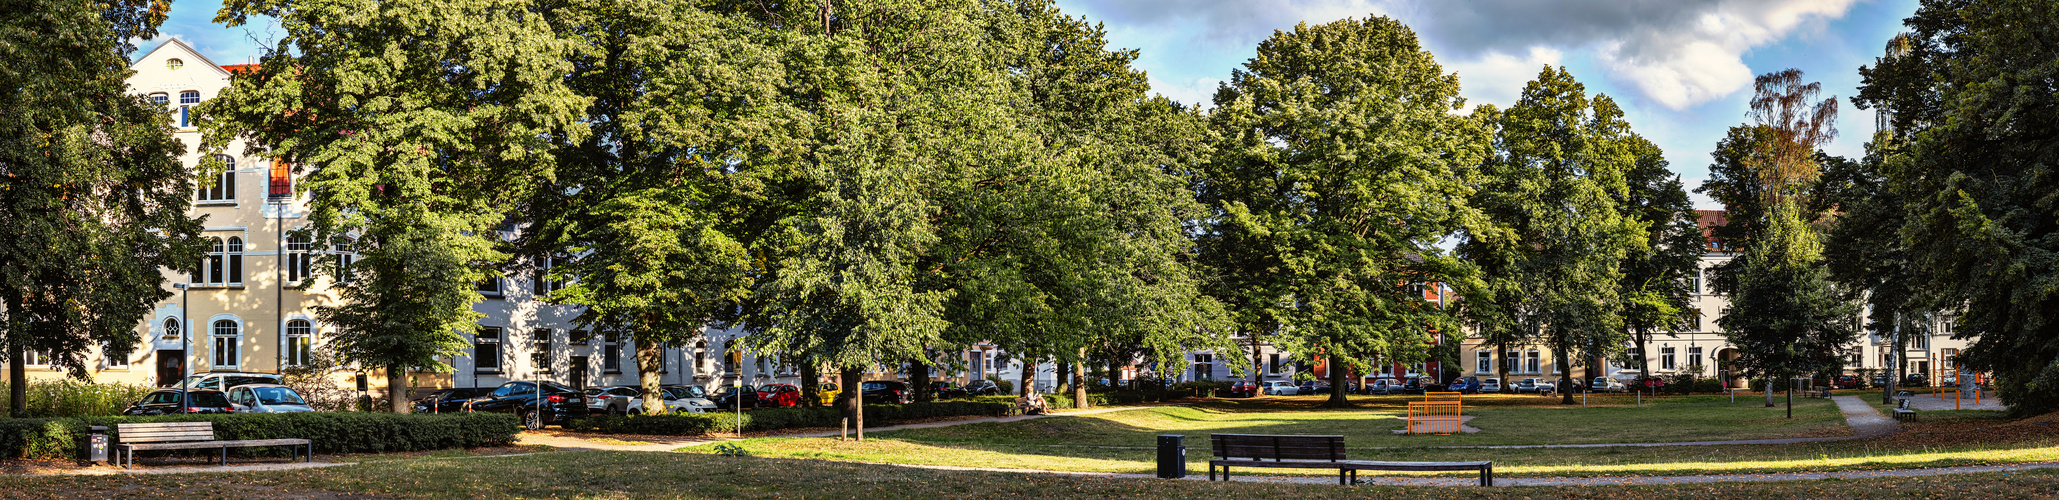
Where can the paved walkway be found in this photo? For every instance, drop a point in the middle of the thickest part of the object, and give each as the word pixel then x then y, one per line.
pixel 1548 481
pixel 1865 421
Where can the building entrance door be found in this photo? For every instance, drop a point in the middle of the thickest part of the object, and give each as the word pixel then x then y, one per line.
pixel 579 372
pixel 171 366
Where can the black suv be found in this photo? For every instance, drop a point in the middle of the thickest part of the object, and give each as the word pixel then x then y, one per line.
pixel 884 392
pixel 448 400
pixel 983 388
pixel 174 401
pixel 727 399
pixel 560 404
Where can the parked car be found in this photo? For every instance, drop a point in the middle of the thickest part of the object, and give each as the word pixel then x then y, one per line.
pixel 1383 386
pixel 267 398
pixel 1279 388
pixel 945 389
pixel 681 399
pixel 174 401
pixel 826 394
pixel 448 400
pixel 983 388
pixel 1415 385
pixel 1880 379
pixel 1244 389
pixel 778 395
pixel 558 404
pixel 1948 379
pixel 1916 380
pixel 1464 385
pixel 884 392
pixel 1532 384
pixel 1313 387
pixel 1489 385
pixel 728 397
pixel 1848 382
pixel 1609 384
pixel 611 400
pixel 222 381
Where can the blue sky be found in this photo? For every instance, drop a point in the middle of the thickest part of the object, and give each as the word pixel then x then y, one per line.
pixel 1681 69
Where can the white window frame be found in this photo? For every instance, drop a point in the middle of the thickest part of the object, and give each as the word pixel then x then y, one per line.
pixel 110 360
pixel 540 349
pixel 480 340
pixel 1532 360
pixel 299 346
pixel 222 189
pixel 299 258
pixel 1694 356
pixel 187 99
pixel 1666 358
pixel 36 358
pixel 1483 361
pixel 223 341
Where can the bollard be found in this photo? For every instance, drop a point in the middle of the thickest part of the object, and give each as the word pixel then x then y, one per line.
pixel 844 432
pixel 1640 399
pixel 1172 456
pixel 1583 399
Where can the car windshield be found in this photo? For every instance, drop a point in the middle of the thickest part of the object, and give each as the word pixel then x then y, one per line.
pixel 278 396
pixel 210 399
pixel 874 386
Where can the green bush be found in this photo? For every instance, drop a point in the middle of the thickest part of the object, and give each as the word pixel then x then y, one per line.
pixel 694 424
pixel 330 432
pixel 73 398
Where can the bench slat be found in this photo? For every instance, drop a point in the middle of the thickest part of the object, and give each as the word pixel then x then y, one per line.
pixel 164 425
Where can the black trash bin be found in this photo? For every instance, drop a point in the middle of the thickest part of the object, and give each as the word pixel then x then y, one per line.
pixel 1172 456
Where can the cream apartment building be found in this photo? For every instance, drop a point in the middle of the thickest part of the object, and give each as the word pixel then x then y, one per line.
pixel 1931 350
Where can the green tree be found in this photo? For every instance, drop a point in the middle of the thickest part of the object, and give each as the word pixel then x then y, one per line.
pixel 1976 93
pixel 93 191
pixel 1341 163
pixel 1554 192
pixel 1655 284
pixel 418 126
pixel 647 202
pixel 1786 318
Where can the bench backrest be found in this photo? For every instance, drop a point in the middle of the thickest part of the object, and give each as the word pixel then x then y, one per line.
pixel 1278 447
pixel 165 432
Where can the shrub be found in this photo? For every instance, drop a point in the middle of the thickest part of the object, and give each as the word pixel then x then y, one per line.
pixel 73 398
pixel 330 432
pixel 694 424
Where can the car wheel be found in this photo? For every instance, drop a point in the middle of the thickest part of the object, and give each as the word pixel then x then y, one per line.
pixel 532 420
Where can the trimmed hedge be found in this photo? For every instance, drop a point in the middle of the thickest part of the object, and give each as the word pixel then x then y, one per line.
pixel 1114 398
pixel 694 424
pixel 331 432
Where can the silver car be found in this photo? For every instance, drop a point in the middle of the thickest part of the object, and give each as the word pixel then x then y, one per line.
pixel 267 398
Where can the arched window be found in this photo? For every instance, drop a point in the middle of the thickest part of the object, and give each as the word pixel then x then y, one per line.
pixel 174 63
pixel 299 258
pixel 300 336
pixel 171 328
pixel 700 356
pixel 221 186
pixel 186 101
pixel 228 344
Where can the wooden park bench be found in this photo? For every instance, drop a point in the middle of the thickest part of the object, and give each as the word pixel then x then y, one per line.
pixel 191 436
pixel 1316 452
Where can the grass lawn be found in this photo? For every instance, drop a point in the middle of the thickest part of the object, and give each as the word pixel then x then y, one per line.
pixel 1121 441
pixel 674 475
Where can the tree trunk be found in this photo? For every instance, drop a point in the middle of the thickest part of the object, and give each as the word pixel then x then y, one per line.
pixel 1790 399
pixel 854 401
pixel 1060 375
pixel 1769 390
pixel 650 360
pixel 1029 376
pixel 17 382
pixel 1337 387
pixel 918 372
pixel 1643 357
pixel 1257 362
pixel 1079 383
pixel 1501 367
pixel 397 388
pixel 811 385
pixel 1565 362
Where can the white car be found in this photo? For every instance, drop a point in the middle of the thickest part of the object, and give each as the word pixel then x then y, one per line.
pixel 1608 384
pixel 267 398
pixel 1490 385
pixel 680 399
pixel 1536 385
pixel 1279 388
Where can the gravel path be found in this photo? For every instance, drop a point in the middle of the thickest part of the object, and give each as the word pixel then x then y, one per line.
pixel 1549 481
pixel 1924 401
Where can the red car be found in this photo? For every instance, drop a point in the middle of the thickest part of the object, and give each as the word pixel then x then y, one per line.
pixel 1244 389
pixel 777 395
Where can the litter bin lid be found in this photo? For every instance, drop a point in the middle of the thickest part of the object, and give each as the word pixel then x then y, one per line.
pixel 97 428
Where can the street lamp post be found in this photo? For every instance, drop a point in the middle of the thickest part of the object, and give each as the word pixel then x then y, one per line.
pixel 185 345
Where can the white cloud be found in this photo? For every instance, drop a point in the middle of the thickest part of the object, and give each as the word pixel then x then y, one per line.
pixel 1692 61
pixel 1498 78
